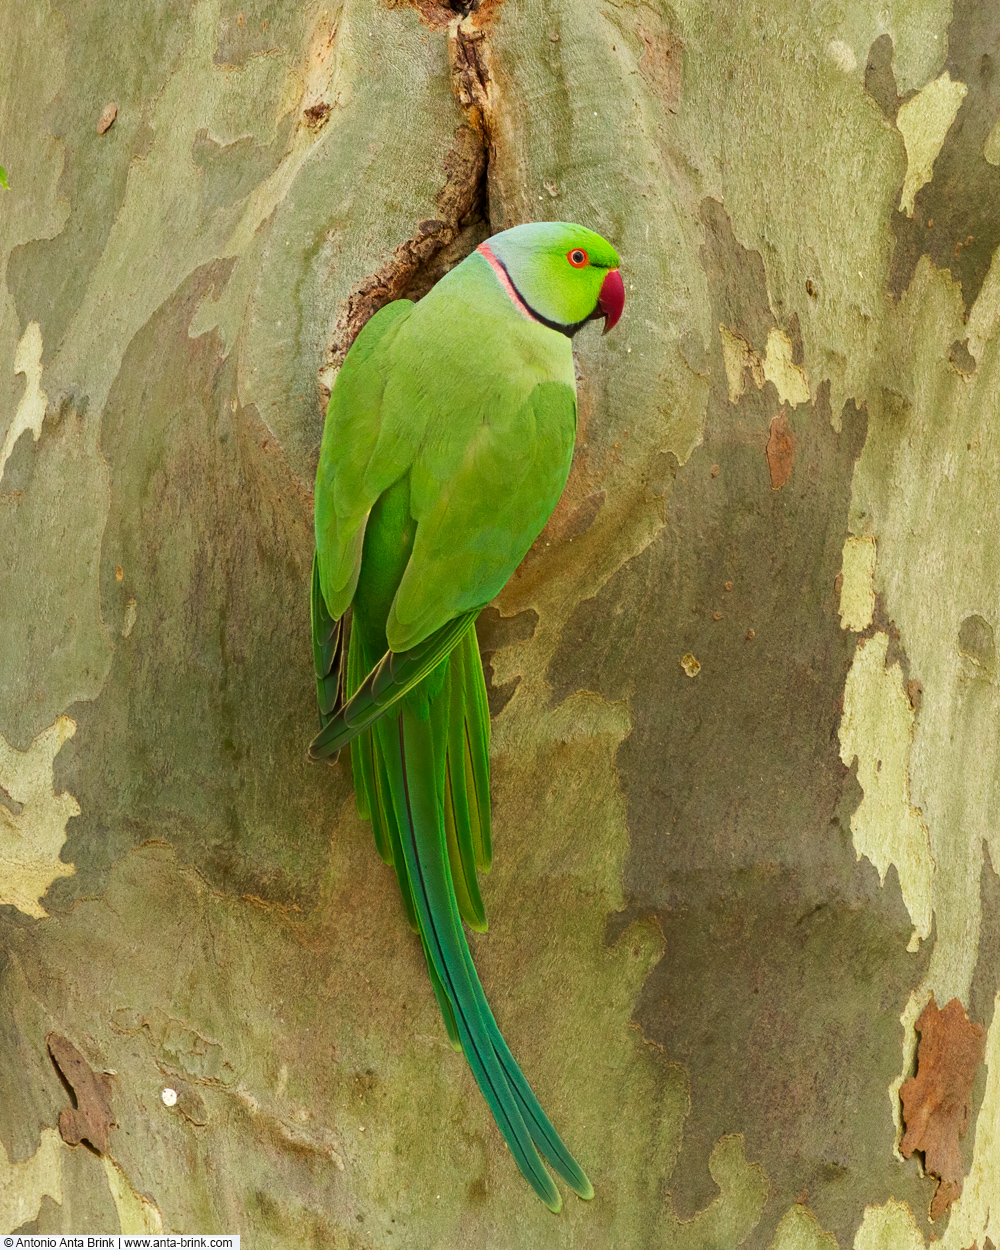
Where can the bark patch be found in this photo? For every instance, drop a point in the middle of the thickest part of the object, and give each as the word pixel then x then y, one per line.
pixel 107 118
pixel 470 76
pixel 983 991
pixel 954 219
pixel 90 1118
pixel 937 1102
pixel 961 359
pixel 880 81
pixel 494 633
pixel 780 450
pixel 660 65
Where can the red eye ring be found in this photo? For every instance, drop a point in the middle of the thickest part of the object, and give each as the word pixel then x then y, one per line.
pixel 577 257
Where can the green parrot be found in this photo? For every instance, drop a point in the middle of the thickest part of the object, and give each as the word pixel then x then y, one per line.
pixel 447 444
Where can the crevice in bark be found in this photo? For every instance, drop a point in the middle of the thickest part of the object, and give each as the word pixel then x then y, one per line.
pixel 439 14
pixel 470 74
pixel 439 243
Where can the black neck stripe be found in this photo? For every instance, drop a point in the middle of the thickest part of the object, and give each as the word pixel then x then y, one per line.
pixel 568 330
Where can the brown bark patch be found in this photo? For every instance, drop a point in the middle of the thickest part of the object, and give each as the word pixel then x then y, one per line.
pixel 436 16
pixel 315 116
pixel 494 633
pixel 90 1119
pixel 569 523
pixel 880 80
pixel 937 1102
pixel 660 65
pixel 780 450
pixel 470 76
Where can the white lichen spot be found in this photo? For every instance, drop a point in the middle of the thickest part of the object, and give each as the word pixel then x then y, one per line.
pixel 23 1185
pixel 991 149
pixel 857 590
pixel 801 1230
pixel 169 1097
pixel 891 1227
pixel 842 55
pixel 975 1217
pixel 31 410
pixel 789 379
pixel 33 827
pixel 137 1215
pixel 877 730
pixel 923 122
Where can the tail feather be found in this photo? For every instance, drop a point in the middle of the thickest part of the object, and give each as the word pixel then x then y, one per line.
pixel 460 853
pixel 443 1001
pixel 477 751
pixel 410 763
pixel 475 722
pixel 462 817
pixel 422 776
pixel 364 766
pixel 540 1127
pixel 391 823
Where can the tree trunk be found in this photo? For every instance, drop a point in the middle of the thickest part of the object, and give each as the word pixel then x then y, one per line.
pixel 744 686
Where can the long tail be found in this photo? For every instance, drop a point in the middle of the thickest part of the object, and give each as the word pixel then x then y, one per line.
pixel 406 744
pixel 421 773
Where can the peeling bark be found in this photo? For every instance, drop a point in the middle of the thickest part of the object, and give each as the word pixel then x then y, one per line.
pixel 937 1100
pixel 90 1119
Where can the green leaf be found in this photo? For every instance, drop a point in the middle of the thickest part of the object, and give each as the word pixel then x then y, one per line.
pixel 3 178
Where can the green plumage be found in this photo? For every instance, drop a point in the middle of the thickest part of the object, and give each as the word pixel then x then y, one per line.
pixel 447 444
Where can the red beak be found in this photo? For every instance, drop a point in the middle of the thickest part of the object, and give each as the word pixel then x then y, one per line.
pixel 611 300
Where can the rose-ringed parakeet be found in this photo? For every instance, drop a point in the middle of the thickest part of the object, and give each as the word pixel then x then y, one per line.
pixel 447 444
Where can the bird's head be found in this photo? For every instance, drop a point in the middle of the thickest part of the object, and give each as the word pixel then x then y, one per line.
pixel 564 274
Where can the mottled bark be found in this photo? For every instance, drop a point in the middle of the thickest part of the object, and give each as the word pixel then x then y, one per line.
pixel 744 686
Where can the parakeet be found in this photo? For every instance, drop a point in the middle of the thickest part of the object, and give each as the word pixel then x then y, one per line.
pixel 447 444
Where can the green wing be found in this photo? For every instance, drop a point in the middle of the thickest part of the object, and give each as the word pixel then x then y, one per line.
pixel 477 518
pixel 361 455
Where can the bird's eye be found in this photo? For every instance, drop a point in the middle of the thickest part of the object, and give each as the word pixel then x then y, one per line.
pixel 577 258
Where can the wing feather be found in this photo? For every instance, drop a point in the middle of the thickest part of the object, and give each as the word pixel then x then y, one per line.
pixel 475 530
pixel 357 459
